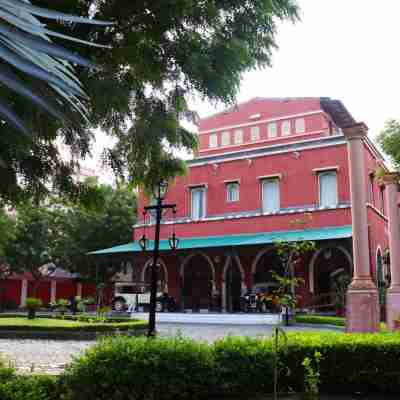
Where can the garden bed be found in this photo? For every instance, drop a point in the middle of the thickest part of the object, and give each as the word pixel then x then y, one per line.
pixel 320 320
pixel 56 327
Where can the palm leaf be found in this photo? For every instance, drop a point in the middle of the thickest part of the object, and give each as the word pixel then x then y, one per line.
pixel 26 47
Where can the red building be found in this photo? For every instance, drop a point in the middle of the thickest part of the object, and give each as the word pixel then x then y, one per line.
pixel 266 170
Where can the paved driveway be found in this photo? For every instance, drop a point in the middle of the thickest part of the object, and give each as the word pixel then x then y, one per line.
pixel 52 356
pixel 211 332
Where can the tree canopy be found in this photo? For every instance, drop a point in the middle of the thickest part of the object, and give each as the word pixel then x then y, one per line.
pixel 162 53
pixel 389 140
pixel 63 234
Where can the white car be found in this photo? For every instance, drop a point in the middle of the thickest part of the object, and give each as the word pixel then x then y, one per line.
pixel 128 296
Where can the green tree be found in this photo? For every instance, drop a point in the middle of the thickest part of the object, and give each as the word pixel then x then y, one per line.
pixel 389 140
pixel 86 230
pixel 31 248
pixel 7 226
pixel 162 53
pixel 290 255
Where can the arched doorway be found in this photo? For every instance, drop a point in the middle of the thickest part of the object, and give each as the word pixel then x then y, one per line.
pixel 233 281
pixel 198 281
pixel 162 278
pixel 327 264
pixel 265 263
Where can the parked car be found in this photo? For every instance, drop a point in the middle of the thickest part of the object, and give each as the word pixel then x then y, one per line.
pixel 134 297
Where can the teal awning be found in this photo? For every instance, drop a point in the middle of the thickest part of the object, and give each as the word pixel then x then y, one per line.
pixel 337 232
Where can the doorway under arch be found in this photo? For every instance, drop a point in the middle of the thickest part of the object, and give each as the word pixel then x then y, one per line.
pixel 162 275
pixel 233 282
pixel 266 262
pixel 198 278
pixel 326 265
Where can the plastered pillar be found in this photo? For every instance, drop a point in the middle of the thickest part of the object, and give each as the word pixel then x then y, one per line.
pixel 393 294
pixel 24 292
pixel 79 289
pixel 362 305
pixel 53 291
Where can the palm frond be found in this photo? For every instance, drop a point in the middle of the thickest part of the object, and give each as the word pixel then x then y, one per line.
pixel 25 46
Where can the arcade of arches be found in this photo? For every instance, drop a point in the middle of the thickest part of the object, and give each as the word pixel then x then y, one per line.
pixel 201 281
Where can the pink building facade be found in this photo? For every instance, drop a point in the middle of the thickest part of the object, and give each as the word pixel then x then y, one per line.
pixel 266 170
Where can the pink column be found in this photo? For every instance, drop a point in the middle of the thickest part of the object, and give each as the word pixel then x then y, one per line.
pixel 362 306
pixel 393 294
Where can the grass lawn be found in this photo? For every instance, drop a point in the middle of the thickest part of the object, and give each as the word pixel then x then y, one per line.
pixel 55 324
pixel 320 319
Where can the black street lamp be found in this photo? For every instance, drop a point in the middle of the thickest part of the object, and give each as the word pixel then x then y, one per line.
pixel 159 193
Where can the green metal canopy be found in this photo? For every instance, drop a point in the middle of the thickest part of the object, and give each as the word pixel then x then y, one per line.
pixel 337 232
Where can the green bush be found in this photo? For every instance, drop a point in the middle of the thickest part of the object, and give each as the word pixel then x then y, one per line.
pixel 321 319
pixel 350 362
pixel 123 368
pixel 178 368
pixel 33 303
pixel 29 387
pixel 243 365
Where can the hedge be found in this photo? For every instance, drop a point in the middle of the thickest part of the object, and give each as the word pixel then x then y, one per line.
pixel 169 369
pixel 164 369
pixel 320 319
pixel 64 325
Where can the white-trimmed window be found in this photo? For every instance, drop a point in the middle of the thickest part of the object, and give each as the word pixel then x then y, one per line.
pixel 382 198
pixel 238 136
pixel 285 128
pixel 225 138
pixel 198 202
pixel 328 190
pixel 213 140
pixel 232 192
pixel 272 130
pixel 270 195
pixel 254 133
pixel 300 125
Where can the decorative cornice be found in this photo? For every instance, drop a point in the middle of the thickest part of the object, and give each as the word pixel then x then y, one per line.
pixel 253 214
pixel 355 131
pixel 281 148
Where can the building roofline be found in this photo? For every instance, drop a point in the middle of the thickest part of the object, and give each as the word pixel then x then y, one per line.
pixel 253 99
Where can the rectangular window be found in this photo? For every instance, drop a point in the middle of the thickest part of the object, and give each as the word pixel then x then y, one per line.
pixel 213 140
pixel 328 192
pixel 270 195
pixel 198 203
pixel 285 128
pixel 371 189
pixel 382 195
pixel 254 133
pixel 272 130
pixel 238 138
pixel 300 125
pixel 225 138
pixel 232 192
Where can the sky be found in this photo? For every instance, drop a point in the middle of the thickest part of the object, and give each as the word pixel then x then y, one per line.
pixel 343 49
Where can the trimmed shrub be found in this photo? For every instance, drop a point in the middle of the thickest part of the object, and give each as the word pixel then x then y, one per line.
pixel 29 387
pixel 243 365
pixel 350 362
pixel 234 367
pixel 124 368
pixel 320 319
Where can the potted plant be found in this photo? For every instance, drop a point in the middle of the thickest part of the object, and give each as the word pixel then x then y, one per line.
pixel 32 305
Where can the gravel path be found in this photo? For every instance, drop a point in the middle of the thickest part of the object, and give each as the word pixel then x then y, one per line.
pixel 52 356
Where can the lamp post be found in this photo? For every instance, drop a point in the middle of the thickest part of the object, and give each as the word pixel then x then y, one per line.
pixel 159 193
